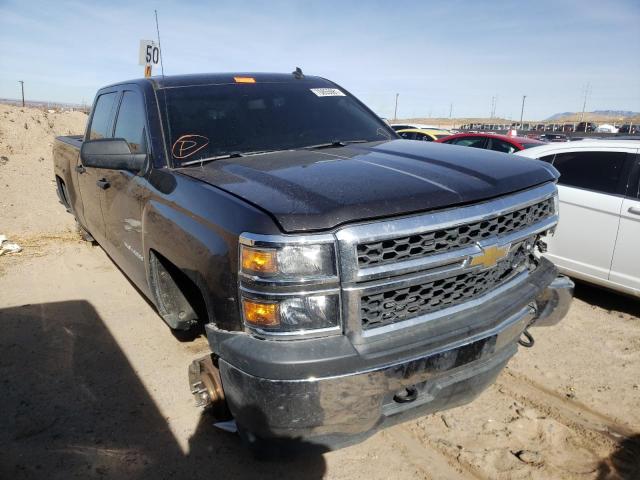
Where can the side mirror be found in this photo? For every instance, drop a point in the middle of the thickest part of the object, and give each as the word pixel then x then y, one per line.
pixel 112 154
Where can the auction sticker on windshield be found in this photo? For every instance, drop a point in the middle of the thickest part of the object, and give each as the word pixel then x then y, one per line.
pixel 327 92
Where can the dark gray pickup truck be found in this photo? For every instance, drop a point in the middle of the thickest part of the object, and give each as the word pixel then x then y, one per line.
pixel 346 279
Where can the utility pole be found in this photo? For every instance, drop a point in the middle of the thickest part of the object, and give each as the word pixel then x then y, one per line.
pixel 450 112
pixel 22 87
pixel 522 111
pixel 395 112
pixel 584 103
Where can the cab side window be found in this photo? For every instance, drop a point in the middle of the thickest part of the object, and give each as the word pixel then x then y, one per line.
pixel 408 135
pixel 599 171
pixel 500 146
pixel 130 124
pixel 475 142
pixel 100 120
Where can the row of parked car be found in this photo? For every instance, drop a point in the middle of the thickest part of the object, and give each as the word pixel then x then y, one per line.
pixel 599 190
pixel 488 141
pixel 628 128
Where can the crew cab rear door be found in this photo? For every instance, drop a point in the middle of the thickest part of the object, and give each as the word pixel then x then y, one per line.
pixel 625 268
pixel 126 193
pixel 590 203
pixel 100 126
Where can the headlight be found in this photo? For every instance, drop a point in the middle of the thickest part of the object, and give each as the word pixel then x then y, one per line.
pixel 288 262
pixel 289 285
pixel 292 314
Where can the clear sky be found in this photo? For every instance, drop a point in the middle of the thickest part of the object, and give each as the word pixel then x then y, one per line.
pixel 432 53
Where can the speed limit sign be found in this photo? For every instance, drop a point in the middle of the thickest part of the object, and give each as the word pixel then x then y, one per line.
pixel 149 53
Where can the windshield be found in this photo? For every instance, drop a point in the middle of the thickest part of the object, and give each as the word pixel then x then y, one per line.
pixel 208 121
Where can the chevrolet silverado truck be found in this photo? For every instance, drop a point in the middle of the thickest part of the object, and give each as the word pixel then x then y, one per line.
pixel 346 279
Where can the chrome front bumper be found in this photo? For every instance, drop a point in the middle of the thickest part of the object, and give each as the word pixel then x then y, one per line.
pixel 343 409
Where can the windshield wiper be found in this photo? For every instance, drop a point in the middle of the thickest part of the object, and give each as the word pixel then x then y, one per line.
pixel 334 144
pixel 225 156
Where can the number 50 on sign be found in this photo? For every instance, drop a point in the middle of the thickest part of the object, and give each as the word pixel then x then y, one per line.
pixel 149 53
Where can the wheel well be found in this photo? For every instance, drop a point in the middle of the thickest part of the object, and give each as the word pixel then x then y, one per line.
pixel 179 299
pixel 62 193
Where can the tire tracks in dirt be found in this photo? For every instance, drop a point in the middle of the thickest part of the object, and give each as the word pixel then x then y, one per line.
pixel 589 423
pixel 436 464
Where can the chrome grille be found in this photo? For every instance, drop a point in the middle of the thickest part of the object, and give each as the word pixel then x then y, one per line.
pixel 395 305
pixel 443 240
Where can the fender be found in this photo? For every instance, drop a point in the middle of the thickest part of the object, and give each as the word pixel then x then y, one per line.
pixel 197 250
pixel 196 227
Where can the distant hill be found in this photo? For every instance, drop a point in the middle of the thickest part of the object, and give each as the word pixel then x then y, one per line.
pixel 596 115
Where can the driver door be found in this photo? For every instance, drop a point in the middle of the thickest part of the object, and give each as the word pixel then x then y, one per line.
pixel 125 192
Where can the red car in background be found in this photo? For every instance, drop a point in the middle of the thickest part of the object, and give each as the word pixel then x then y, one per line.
pixel 491 141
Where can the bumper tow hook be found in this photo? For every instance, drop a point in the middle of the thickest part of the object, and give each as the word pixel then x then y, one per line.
pixel 529 342
pixel 407 395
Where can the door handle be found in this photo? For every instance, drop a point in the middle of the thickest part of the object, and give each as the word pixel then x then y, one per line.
pixel 80 169
pixel 634 210
pixel 103 183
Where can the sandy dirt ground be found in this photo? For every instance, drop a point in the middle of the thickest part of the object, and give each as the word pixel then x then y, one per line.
pixel 93 384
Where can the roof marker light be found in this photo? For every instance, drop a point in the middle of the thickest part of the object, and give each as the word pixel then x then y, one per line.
pixel 244 79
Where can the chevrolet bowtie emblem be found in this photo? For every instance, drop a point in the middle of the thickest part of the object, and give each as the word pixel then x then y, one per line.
pixel 490 256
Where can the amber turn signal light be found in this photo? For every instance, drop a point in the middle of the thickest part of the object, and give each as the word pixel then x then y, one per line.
pixel 259 261
pixel 260 314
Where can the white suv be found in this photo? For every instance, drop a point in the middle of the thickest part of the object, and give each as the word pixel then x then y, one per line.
pixel 598 237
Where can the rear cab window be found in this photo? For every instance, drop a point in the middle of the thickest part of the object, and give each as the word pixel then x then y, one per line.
pixel 101 116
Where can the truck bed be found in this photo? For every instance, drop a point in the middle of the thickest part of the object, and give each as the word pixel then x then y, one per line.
pixel 66 150
pixel 73 140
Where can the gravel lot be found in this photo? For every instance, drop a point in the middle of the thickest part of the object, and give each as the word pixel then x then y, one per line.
pixel 94 385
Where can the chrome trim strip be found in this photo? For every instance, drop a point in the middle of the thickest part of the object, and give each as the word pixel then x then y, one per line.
pixel 297 281
pixel 254 239
pixel 298 334
pixel 280 294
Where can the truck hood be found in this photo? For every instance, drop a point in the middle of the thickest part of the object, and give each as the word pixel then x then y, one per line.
pixel 306 190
